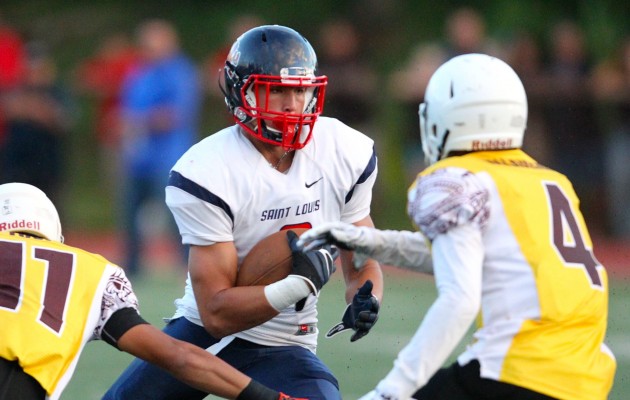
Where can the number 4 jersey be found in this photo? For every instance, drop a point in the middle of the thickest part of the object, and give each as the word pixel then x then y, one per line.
pixel 544 304
pixel 54 299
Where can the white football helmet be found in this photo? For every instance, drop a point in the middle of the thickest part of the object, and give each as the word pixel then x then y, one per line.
pixel 25 208
pixel 473 102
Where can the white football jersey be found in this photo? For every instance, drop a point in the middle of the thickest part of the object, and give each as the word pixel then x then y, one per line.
pixel 223 189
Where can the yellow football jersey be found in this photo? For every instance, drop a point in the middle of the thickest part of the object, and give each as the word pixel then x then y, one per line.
pixel 51 299
pixel 544 295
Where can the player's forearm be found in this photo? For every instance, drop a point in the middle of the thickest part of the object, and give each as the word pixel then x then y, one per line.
pixel 403 249
pixel 443 327
pixel 206 372
pixel 210 374
pixel 234 310
pixel 188 363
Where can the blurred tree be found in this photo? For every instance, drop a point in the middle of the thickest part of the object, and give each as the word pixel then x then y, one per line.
pixel 391 29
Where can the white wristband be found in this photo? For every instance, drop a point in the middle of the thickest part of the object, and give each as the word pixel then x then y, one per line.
pixel 286 292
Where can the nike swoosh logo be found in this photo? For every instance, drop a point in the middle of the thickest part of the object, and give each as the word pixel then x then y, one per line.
pixel 308 185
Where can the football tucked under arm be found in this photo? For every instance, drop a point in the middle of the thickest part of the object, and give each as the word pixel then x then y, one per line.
pixel 288 274
pixel 269 261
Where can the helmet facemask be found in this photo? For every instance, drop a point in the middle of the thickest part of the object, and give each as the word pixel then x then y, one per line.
pixel 289 130
pixel 432 140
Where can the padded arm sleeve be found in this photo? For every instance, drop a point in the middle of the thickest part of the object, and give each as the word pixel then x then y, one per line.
pixel 404 249
pixel 458 257
pixel 117 295
pixel 120 322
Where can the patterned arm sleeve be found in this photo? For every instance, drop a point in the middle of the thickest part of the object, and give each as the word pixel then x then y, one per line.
pixel 447 198
pixel 119 308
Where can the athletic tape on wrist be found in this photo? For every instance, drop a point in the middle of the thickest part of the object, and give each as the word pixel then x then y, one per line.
pixel 286 292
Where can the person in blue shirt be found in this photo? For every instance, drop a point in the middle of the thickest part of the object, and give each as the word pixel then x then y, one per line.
pixel 161 102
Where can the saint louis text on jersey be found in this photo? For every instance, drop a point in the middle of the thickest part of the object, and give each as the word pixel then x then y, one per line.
pixel 301 209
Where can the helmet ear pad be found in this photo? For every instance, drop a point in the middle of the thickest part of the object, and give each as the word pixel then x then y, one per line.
pixel 473 102
pixel 267 56
pixel 232 89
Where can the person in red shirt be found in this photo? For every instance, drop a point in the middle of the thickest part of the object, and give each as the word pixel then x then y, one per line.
pixel 12 66
pixel 101 77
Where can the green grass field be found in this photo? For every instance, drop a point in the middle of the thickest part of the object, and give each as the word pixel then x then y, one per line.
pixel 359 365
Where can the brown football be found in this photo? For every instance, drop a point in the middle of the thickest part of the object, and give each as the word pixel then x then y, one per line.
pixel 268 261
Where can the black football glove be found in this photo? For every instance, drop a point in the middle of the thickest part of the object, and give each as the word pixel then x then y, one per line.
pixel 314 266
pixel 360 315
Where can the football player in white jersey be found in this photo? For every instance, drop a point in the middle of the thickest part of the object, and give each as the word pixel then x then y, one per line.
pixel 508 245
pixel 54 298
pixel 281 166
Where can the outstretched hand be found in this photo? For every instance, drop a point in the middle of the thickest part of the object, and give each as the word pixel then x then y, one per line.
pixel 343 235
pixel 359 239
pixel 360 315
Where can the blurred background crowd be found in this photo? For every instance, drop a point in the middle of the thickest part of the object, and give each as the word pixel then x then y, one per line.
pixel 98 100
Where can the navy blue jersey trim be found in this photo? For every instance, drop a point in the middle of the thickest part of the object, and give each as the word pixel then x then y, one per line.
pixel 369 169
pixel 177 180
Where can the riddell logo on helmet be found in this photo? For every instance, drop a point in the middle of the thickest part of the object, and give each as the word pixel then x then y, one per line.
pixel 496 144
pixel 19 224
